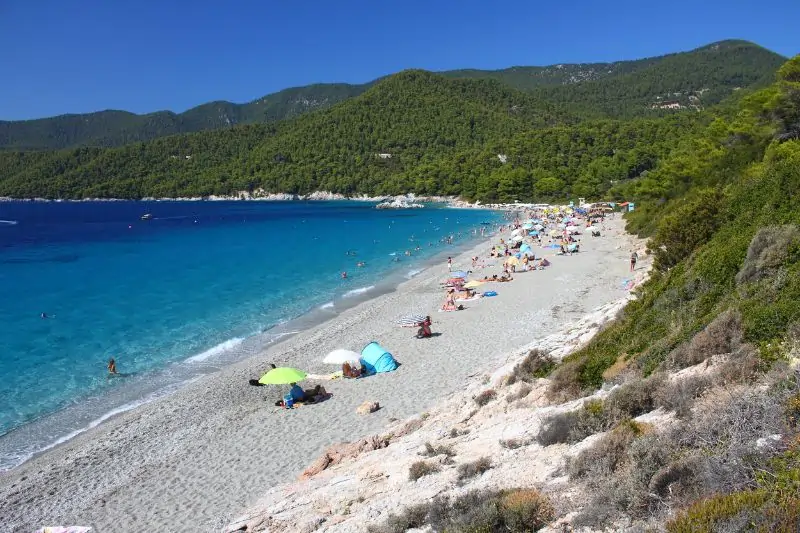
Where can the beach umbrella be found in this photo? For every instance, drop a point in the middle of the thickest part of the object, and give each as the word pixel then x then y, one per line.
pixel 512 261
pixel 473 284
pixel 553 233
pixel 408 321
pixel 533 233
pixel 338 357
pixel 516 231
pixel 282 376
pixel 527 226
pixel 516 238
pixel 538 227
pixel 458 274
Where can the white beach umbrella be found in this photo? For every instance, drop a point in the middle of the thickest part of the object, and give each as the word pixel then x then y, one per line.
pixel 338 357
pixel 517 231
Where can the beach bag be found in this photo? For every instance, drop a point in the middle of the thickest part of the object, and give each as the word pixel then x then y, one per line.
pixel 288 401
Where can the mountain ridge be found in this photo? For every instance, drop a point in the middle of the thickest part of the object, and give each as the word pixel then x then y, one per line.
pixel 111 128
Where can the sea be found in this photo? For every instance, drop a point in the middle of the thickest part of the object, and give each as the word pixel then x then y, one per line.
pixel 194 288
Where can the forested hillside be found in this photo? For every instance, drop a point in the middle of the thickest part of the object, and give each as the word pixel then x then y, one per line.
pixel 412 132
pixel 724 299
pixel 693 80
pixel 622 89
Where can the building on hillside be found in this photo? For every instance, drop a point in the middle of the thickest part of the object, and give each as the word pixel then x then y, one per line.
pixel 384 156
pixel 668 104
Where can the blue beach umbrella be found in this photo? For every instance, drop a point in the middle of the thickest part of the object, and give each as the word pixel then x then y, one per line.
pixel 458 274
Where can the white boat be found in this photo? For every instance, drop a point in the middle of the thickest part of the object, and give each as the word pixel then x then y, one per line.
pixel 147 216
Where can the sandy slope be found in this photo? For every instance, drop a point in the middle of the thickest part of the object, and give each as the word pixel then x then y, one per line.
pixel 194 460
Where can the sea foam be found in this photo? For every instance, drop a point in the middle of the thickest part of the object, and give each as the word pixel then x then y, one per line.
pixel 220 348
pixel 356 292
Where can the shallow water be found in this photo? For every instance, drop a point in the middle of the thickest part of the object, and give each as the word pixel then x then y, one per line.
pixel 197 286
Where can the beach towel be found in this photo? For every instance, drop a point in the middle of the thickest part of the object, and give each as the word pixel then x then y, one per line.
pixel 64 529
pixel 377 359
pixel 476 297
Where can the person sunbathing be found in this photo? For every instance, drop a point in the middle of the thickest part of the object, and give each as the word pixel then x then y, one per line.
pixel 315 395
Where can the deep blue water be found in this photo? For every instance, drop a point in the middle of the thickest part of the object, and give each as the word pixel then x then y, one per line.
pixel 194 283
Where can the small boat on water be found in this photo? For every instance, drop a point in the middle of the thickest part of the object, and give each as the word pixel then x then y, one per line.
pixel 147 216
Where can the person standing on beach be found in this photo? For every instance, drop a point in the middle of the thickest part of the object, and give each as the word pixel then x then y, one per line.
pixel 634 258
pixel 449 264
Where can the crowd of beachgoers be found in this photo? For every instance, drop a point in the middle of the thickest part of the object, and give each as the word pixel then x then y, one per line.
pixel 552 230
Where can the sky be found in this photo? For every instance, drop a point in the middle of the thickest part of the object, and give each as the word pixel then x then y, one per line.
pixel 80 56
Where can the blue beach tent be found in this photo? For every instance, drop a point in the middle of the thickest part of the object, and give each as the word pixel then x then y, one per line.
pixel 377 359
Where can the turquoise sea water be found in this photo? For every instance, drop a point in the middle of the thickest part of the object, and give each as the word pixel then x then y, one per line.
pixel 199 285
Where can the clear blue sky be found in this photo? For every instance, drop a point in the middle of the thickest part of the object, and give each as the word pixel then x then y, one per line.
pixel 79 56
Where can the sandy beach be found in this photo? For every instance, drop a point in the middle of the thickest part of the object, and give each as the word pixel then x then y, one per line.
pixel 194 460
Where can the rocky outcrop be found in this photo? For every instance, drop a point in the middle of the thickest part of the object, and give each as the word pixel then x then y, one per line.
pixel 347 450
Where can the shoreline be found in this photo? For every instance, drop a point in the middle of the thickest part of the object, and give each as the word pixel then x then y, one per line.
pixel 193 460
pixel 158 384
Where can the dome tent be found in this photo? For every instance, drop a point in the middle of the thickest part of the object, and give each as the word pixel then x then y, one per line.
pixel 377 359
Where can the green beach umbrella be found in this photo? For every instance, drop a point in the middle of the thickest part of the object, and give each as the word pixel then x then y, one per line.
pixel 282 376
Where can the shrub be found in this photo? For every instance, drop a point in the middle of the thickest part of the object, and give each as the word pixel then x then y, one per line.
pixel 475 468
pixel 565 382
pixel 634 398
pixel 456 432
pixel 421 468
pixel 537 364
pixel 520 393
pixel 513 444
pixel 768 250
pixel 433 451
pixel 526 510
pixel 722 335
pixel 743 366
pixel 485 397
pixel 574 426
pixel 515 511
pixel 606 454
pixel 680 395
pixel 680 478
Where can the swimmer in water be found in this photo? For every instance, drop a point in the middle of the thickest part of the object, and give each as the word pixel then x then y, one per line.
pixel 112 366
pixel 44 315
pixel 344 275
pixel 360 264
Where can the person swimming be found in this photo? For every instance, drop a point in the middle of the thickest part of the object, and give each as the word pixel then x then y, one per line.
pixel 44 315
pixel 112 366
pixel 344 275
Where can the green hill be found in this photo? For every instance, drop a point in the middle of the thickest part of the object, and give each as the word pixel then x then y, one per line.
pixel 413 116
pixel 116 128
pixel 599 90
